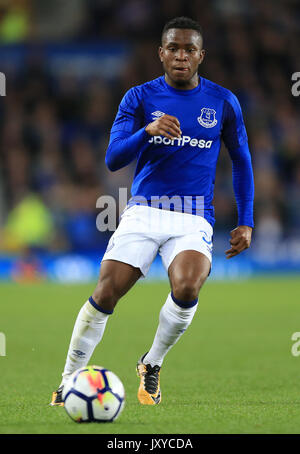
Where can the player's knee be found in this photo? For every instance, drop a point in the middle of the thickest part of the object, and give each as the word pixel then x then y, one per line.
pixel 106 295
pixel 184 289
pixel 187 289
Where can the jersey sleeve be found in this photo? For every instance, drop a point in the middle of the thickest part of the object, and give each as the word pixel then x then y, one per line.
pixel 127 132
pixel 236 141
pixel 130 113
pixel 243 183
pixel 234 132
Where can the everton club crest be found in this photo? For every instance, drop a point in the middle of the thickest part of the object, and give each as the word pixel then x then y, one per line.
pixel 207 118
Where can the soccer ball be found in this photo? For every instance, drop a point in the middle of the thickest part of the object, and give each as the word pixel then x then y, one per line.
pixel 93 394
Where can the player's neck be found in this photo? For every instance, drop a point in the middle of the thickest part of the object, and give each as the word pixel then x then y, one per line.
pixel 189 85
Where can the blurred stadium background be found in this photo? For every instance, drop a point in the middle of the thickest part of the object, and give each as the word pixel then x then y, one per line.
pixel 67 65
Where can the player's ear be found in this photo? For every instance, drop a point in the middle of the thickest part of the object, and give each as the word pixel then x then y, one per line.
pixel 160 53
pixel 202 55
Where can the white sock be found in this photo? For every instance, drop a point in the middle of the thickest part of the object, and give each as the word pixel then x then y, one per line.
pixel 173 321
pixel 87 333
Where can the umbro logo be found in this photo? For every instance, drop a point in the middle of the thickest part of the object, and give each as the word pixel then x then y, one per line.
pixel 157 114
pixel 79 353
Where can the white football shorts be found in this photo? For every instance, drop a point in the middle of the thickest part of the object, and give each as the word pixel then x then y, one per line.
pixel 145 231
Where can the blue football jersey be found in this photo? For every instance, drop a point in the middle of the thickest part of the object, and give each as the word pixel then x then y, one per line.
pixel 183 168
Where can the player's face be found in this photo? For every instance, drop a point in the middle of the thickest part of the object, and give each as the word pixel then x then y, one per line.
pixel 181 53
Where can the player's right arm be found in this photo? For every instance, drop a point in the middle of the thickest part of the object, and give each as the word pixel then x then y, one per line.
pixel 129 134
pixel 167 126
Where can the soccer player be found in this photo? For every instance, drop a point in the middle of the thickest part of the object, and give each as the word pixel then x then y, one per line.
pixel 173 126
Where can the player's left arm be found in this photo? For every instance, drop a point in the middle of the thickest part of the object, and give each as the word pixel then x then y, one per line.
pixel 239 241
pixel 235 138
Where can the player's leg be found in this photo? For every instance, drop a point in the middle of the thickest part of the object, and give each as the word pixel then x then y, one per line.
pixel 187 273
pixel 115 279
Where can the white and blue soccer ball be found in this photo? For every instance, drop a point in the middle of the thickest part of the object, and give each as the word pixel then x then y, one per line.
pixel 93 394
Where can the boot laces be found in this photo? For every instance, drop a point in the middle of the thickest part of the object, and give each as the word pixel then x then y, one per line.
pixel 151 378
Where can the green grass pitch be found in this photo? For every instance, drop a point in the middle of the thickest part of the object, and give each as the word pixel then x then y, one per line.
pixel 232 372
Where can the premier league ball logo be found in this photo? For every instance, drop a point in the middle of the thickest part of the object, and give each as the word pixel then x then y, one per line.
pixel 207 118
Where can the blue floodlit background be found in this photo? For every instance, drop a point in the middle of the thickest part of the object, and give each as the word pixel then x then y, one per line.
pixel 68 64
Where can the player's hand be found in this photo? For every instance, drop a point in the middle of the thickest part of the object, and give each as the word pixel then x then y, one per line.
pixel 167 126
pixel 240 240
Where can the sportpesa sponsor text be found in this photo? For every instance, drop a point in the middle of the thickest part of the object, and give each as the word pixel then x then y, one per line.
pixel 181 141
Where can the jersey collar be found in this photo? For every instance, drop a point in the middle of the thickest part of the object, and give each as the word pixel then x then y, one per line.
pixel 182 92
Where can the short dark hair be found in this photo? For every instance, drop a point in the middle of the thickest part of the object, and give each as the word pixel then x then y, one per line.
pixel 182 22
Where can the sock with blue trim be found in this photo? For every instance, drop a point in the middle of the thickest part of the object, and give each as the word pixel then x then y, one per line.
pixel 87 333
pixel 174 318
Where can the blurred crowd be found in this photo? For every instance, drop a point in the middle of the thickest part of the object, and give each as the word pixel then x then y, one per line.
pixel 54 130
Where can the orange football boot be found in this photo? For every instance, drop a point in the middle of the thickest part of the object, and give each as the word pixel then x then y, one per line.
pixel 149 390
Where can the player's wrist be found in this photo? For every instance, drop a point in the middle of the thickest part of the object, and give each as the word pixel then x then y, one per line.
pixel 246 227
pixel 148 129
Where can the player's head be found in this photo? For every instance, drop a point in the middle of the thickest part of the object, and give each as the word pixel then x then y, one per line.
pixel 181 50
pixel 183 23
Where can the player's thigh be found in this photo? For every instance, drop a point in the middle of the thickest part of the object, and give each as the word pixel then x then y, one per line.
pixel 115 280
pixel 187 273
